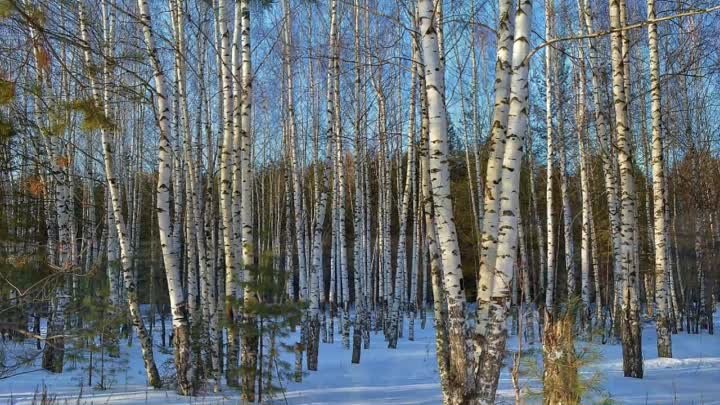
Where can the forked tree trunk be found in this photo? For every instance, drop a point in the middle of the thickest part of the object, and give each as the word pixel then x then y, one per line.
pixel 496 335
pixel 491 195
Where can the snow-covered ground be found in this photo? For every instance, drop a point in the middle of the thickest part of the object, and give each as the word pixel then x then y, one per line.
pixel 407 375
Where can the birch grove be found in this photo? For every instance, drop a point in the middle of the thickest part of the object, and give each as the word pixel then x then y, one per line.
pixel 225 181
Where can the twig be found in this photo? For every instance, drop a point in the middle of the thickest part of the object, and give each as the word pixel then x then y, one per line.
pixel 640 24
pixel 20 373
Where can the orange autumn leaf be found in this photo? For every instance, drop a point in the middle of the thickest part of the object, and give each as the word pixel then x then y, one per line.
pixel 35 187
pixel 63 162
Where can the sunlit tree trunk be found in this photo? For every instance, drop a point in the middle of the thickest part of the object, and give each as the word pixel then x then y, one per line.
pixel 496 335
pixel 550 213
pixel 102 100
pixel 607 151
pixel 227 163
pixel 631 337
pixel 442 350
pixel 249 338
pixel 359 251
pixel 461 386
pixel 170 251
pixel 405 212
pixel 664 344
pixel 493 175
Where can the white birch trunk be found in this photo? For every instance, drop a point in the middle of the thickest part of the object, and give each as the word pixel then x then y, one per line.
pixel 60 255
pixel 632 354
pixel 664 343
pixel 440 315
pixel 491 194
pixel 404 213
pixel 489 370
pixel 299 208
pixel 567 214
pixel 462 381
pixel 249 340
pixel 550 214
pixel 116 222
pixel 585 245
pixel 227 163
pixel 167 243
pixel 607 155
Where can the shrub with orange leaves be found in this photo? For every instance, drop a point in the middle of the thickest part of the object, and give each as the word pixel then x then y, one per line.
pixel 35 186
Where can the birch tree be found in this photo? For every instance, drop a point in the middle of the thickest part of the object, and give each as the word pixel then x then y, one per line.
pixel 461 383
pixel 496 335
pixel 181 328
pixel 57 159
pixel 550 214
pixel 631 338
pixel 664 344
pixel 227 163
pixel 102 100
pixel 494 170
pixel 249 338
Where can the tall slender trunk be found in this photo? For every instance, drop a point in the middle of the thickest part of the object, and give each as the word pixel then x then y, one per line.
pixel 440 315
pixel 675 313
pixel 405 212
pixel 462 383
pixel 541 267
pixel 249 338
pixel 297 189
pixel 493 175
pixel 631 337
pixel 550 213
pixel 118 222
pixel 60 255
pixel 339 191
pixel 569 244
pixel 170 251
pixel 586 241
pixel 607 155
pixel 664 344
pixel 359 252
pixel 227 163
pixel 496 336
